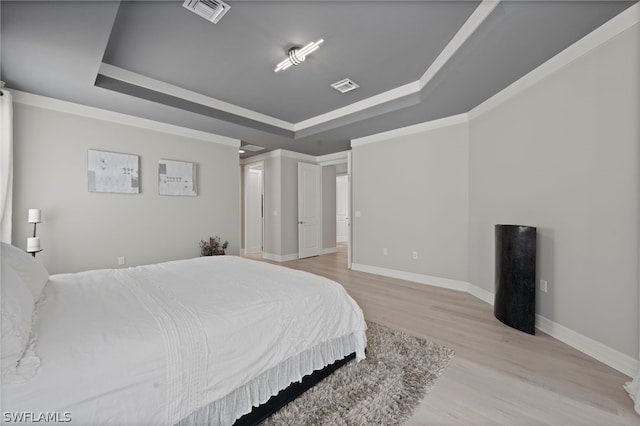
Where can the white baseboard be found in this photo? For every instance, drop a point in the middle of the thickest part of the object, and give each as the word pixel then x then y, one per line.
pixel 608 356
pixel 280 258
pixel 611 357
pixel 294 256
pixel 410 276
pixel 481 293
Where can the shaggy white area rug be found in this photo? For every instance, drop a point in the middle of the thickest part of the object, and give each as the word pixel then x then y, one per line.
pixel 384 389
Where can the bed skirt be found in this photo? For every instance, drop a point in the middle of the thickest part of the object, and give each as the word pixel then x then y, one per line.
pixel 259 390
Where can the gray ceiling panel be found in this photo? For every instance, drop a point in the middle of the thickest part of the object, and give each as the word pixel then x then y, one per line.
pixel 55 49
pixel 380 45
pixel 517 38
pixel 185 105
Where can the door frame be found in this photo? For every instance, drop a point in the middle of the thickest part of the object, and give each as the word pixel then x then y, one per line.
pixel 247 168
pixel 345 178
pixel 350 210
pixel 344 157
pixel 318 210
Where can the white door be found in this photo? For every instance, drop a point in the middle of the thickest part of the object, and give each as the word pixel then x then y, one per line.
pixel 349 208
pixel 309 210
pixel 253 208
pixel 342 212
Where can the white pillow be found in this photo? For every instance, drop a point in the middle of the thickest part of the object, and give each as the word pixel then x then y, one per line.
pixel 16 316
pixel 34 274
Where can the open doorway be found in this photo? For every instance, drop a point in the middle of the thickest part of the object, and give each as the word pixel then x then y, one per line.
pixel 342 208
pixel 254 208
pixel 342 217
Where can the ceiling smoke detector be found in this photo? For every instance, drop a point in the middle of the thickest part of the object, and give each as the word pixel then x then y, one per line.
pixel 211 10
pixel 344 86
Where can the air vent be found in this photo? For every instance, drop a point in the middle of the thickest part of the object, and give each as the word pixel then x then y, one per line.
pixel 344 86
pixel 253 148
pixel 211 10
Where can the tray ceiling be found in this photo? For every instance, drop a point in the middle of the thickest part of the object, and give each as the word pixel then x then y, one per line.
pixel 414 61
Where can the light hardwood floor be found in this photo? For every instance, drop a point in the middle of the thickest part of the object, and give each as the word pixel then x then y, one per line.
pixel 498 376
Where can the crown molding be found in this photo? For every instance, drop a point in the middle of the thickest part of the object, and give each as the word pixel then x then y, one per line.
pixel 333 159
pixel 277 153
pixel 411 130
pixel 53 104
pixel 322 160
pixel 140 80
pixel 373 101
pixel 608 31
pixel 479 15
pixel 601 35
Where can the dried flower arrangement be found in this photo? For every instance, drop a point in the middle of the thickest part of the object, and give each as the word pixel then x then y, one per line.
pixel 213 247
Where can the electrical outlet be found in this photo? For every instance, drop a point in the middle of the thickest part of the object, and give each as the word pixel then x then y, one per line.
pixel 385 251
pixel 415 255
pixel 543 286
pixel 121 260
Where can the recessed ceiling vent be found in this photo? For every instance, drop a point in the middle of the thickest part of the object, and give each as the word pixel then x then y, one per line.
pixel 211 10
pixel 253 148
pixel 344 86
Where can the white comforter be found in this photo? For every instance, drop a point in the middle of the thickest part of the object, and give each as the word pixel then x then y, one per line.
pixel 152 344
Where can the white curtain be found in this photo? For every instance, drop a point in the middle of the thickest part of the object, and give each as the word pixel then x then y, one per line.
pixel 633 388
pixel 6 165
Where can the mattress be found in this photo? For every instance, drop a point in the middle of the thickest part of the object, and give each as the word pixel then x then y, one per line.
pixel 187 340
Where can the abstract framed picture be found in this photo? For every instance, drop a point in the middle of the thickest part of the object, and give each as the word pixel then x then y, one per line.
pixel 113 172
pixel 177 178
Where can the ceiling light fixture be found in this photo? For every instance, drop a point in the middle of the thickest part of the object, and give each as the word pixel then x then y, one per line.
pixel 297 55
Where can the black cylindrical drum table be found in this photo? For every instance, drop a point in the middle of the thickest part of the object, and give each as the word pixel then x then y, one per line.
pixel 515 302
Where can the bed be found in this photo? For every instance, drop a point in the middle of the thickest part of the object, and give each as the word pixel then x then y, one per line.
pixel 196 341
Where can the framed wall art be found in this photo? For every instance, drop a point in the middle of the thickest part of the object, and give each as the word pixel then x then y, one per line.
pixel 177 178
pixel 113 172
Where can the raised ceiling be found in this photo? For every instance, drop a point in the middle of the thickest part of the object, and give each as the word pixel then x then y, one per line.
pixel 415 61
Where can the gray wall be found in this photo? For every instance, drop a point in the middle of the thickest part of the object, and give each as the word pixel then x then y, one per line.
pixel 242 236
pixel 272 206
pixel 412 194
pixel 341 168
pixel 83 230
pixel 563 156
pixel 289 170
pixel 281 204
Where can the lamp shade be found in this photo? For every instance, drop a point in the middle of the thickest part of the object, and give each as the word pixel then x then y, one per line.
pixel 33 244
pixel 35 215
